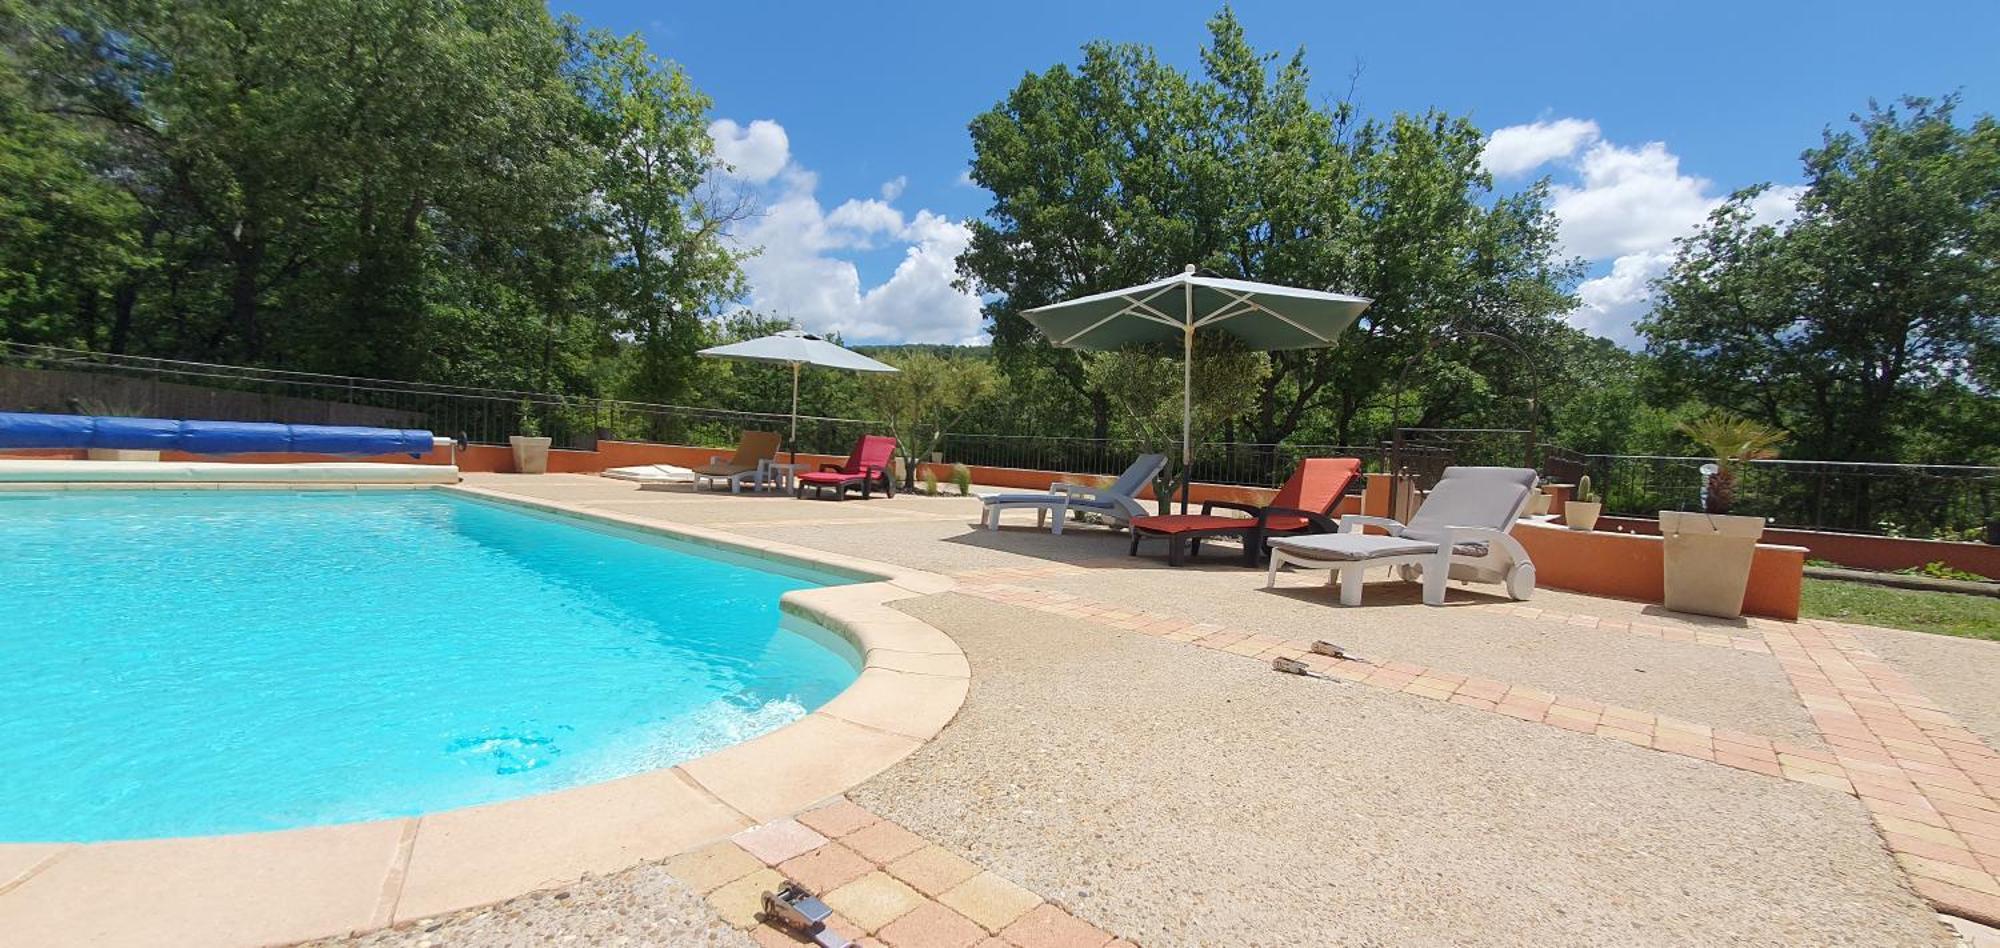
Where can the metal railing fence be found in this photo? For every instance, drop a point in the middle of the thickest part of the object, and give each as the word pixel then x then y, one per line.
pixel 1918 500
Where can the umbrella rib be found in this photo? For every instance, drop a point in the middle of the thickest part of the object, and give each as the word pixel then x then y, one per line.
pixel 1274 314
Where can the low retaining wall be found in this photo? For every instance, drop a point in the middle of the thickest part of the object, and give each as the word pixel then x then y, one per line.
pixel 1632 566
pixel 1859 551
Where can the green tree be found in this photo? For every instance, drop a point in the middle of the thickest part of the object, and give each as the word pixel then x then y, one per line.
pixel 459 190
pixel 1123 169
pixel 923 399
pixel 1146 390
pixel 1847 325
pixel 669 267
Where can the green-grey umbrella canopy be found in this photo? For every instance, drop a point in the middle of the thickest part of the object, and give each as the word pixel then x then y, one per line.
pixel 1265 316
pixel 794 348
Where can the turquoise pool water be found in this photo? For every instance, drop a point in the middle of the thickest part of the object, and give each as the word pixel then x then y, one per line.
pixel 181 663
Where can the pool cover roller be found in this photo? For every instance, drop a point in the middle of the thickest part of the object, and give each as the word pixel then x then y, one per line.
pixel 28 430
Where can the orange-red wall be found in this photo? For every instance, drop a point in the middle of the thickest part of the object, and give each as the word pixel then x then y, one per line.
pixel 1857 550
pixel 1631 566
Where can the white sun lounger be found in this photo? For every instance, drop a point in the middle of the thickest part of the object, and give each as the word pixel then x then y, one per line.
pixel 1460 532
pixel 1118 503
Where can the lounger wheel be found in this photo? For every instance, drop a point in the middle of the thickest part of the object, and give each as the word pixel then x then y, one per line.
pixel 1521 582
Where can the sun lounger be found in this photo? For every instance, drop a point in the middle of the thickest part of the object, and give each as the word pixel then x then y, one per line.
pixel 1303 505
pixel 753 451
pixel 868 465
pixel 1118 502
pixel 1460 532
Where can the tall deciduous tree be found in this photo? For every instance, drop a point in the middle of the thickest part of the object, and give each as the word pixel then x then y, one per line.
pixel 1124 169
pixel 1877 303
pixel 425 189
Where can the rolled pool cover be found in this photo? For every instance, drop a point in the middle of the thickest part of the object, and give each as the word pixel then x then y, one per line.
pixel 31 430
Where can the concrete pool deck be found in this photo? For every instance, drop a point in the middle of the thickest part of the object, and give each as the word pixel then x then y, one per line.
pixel 285 886
pixel 1494 773
pixel 1127 767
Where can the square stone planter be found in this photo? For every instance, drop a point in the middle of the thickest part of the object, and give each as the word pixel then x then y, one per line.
pixel 531 455
pixel 1708 561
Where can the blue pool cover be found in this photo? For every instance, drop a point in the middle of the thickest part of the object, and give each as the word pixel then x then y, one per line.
pixel 27 430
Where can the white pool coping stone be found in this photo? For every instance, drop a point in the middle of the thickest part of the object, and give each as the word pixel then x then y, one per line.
pixel 315 882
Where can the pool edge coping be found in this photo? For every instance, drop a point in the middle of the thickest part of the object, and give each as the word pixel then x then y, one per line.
pixel 358 877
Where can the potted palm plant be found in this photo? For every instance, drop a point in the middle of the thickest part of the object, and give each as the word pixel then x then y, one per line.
pixel 531 450
pixel 1582 510
pixel 1708 552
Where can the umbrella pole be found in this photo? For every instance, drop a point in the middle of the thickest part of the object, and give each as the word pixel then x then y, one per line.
pixel 795 413
pixel 1187 399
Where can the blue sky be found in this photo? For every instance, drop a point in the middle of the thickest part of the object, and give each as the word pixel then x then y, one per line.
pixel 848 120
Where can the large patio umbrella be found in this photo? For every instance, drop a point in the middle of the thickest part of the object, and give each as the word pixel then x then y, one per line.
pixel 794 348
pixel 1265 316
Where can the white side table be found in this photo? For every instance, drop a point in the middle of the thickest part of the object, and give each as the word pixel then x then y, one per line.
pixel 780 473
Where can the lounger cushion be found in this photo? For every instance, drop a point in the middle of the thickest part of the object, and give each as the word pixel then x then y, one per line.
pixel 1352 546
pixel 830 477
pixel 1184 523
pixel 724 469
pixel 1050 500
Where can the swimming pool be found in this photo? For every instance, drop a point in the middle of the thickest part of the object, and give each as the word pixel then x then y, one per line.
pixel 193 662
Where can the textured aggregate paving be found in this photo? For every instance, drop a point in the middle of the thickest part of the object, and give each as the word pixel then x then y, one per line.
pixel 1708 685
pixel 643 906
pixel 1186 797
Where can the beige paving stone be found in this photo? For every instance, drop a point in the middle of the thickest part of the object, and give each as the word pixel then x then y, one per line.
pixel 874 900
pixel 838 818
pixel 990 900
pixel 778 840
pixel 1047 926
pixel 711 867
pixel 18 860
pixel 884 842
pixel 933 870
pixel 739 902
pixel 917 706
pixel 931 925
pixel 483 854
pixel 949 666
pixel 826 868
pixel 780 773
pixel 323 881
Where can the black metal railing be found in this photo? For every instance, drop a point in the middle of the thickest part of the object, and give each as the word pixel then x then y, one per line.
pixel 1919 500
pixel 42 378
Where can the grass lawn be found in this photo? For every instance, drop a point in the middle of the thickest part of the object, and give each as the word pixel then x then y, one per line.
pixel 1976 617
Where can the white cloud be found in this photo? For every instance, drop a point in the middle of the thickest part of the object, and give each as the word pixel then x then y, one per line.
pixel 893 188
pixel 866 219
pixel 754 153
pixel 1623 206
pixel 1631 200
pixel 1610 304
pixel 1521 148
pixel 800 274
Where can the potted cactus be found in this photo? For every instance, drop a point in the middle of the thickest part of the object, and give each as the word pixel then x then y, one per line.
pixel 1582 510
pixel 1709 552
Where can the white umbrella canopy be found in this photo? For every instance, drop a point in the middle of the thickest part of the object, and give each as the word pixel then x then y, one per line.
pixel 1265 316
pixel 794 348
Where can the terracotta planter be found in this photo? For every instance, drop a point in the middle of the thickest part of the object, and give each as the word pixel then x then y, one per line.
pixel 1581 516
pixel 119 454
pixel 1708 560
pixel 531 455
